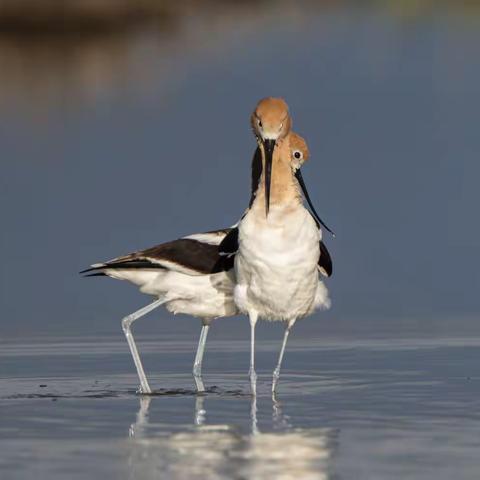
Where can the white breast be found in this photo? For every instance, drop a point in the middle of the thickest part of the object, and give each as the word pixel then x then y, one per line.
pixel 276 264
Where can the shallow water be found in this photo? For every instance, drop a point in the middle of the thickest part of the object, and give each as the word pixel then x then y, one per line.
pixel 345 409
pixel 119 141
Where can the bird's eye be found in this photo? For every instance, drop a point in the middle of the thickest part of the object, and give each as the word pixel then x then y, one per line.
pixel 260 124
pixel 297 154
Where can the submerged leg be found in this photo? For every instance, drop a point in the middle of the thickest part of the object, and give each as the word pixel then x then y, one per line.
pixel 253 375
pixel 276 372
pixel 126 324
pixel 197 365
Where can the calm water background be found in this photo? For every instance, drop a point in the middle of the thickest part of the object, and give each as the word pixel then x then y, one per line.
pixel 114 142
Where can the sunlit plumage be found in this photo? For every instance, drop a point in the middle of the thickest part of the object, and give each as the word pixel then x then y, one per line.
pixel 267 266
pixel 278 259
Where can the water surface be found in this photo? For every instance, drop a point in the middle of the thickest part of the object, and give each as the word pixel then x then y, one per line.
pixel 361 409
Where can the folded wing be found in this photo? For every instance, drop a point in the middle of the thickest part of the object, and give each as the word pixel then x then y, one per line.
pixel 196 254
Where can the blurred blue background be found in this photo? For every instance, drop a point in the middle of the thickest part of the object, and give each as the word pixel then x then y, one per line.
pixel 121 129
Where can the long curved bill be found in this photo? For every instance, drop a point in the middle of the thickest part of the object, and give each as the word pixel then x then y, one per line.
pixel 299 177
pixel 268 146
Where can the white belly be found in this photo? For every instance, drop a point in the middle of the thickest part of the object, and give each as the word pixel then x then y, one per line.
pixel 204 296
pixel 276 265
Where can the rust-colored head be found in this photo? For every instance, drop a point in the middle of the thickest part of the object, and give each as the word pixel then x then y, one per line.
pixel 271 119
pixel 270 122
pixel 299 153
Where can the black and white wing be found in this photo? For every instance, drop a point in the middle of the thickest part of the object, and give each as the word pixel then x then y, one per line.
pixel 196 254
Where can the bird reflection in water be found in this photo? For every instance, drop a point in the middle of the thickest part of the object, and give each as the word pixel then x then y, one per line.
pixel 218 451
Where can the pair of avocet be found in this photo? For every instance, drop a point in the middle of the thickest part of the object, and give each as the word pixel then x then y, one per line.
pixel 268 266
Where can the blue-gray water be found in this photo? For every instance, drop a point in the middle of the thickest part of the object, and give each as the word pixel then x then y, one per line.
pixel 117 142
pixel 360 409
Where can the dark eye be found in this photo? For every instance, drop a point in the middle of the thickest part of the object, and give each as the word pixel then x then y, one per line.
pixel 297 154
pixel 260 124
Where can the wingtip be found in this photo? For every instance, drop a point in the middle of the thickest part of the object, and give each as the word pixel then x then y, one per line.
pixel 95 266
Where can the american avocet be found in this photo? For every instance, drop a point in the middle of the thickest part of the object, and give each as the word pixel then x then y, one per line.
pixel 194 275
pixel 279 252
pixel 188 276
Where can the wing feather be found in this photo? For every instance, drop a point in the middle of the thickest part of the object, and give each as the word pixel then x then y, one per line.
pixel 186 255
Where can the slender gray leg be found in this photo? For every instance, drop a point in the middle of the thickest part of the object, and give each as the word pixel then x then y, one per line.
pixel 197 365
pixel 253 375
pixel 126 324
pixel 276 372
